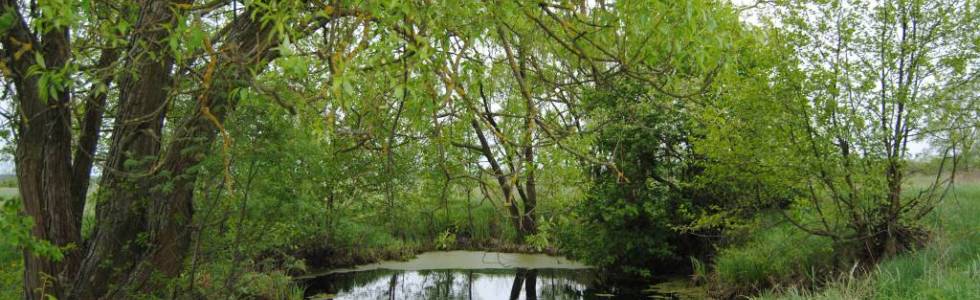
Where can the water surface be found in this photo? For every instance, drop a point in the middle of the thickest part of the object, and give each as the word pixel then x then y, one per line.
pixel 470 260
pixel 473 275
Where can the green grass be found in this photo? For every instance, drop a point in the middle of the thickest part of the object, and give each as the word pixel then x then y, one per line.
pixel 8 192
pixel 947 268
pixel 778 255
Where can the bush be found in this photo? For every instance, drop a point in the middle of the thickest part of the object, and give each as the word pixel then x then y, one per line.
pixel 634 215
pixel 11 272
pixel 446 240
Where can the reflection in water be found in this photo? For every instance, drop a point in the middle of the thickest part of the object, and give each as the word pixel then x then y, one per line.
pixel 483 275
pixel 455 284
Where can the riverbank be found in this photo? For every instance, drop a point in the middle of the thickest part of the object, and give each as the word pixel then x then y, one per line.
pixel 782 264
pixel 325 257
pixel 947 268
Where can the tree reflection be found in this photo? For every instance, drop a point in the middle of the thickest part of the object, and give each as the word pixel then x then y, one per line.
pixel 528 279
pixel 531 284
pixel 515 289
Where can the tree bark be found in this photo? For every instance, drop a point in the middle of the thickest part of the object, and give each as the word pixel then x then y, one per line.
pixel 894 209
pixel 89 133
pixel 136 140
pixel 146 193
pixel 43 153
pixel 517 61
pixel 245 51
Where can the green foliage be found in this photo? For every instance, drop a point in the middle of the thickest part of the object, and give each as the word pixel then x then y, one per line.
pixel 11 262
pixel 646 125
pixel 775 253
pixel 634 213
pixel 272 285
pixel 540 240
pixel 446 240
pixel 15 241
pixel 824 129
pixel 17 227
pixel 699 272
pixel 639 208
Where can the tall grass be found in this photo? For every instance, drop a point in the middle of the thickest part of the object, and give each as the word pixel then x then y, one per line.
pixel 781 254
pixel 947 268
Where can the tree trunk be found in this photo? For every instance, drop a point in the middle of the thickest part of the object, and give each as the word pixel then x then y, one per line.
pixel 136 142
pixel 43 154
pixel 246 50
pixel 505 185
pixel 141 229
pixel 89 132
pixel 531 200
pixel 894 207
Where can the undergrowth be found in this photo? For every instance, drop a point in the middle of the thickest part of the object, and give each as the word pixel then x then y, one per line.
pixel 948 267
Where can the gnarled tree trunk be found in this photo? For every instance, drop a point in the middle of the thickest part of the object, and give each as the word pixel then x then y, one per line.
pixel 141 228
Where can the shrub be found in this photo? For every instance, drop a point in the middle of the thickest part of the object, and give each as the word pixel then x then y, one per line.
pixel 446 240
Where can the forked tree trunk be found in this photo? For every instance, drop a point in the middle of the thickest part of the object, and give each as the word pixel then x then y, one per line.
pixel 132 154
pixel 893 210
pixel 142 230
pixel 502 180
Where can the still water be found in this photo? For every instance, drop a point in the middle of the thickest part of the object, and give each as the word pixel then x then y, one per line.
pixel 473 275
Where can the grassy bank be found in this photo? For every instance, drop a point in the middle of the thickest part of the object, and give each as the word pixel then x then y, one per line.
pixel 783 263
pixel 947 268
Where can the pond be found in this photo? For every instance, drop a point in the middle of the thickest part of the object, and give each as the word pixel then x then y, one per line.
pixel 474 275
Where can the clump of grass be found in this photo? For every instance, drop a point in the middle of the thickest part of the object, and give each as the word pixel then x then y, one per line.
pixel 11 259
pixel 779 255
pixel 699 272
pixel 273 285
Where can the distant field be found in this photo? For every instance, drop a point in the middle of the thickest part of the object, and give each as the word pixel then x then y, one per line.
pixel 8 192
pixel 962 177
pixel 8 185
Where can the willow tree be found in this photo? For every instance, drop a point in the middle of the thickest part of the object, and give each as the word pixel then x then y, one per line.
pixel 162 75
pixel 503 80
pixel 830 129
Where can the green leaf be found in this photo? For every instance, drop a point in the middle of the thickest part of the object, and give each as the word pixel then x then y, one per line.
pixel 7 20
pixel 195 37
